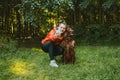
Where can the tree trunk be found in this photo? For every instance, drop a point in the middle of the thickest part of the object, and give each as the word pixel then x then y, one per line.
pixel 76 11
pixel 19 24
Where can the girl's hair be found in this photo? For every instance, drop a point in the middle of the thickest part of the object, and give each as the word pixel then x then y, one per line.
pixel 63 23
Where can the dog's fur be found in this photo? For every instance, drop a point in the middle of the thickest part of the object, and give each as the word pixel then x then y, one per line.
pixel 68 45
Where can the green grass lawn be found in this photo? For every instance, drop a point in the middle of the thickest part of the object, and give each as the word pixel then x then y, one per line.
pixel 92 63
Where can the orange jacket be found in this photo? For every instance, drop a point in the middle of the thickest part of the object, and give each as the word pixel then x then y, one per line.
pixel 50 37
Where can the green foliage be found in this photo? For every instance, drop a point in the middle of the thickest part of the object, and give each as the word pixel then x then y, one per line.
pixel 114 32
pixel 117 26
pixel 84 4
pixel 108 4
pixel 93 32
pixel 25 18
pixel 97 32
pixel 28 9
pixel 36 11
pixel 7 44
pixel 70 5
pixel 93 26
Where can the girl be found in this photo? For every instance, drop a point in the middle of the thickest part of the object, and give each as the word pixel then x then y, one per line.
pixel 50 43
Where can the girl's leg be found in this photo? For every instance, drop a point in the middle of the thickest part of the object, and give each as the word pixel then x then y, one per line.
pixel 49 47
pixel 58 50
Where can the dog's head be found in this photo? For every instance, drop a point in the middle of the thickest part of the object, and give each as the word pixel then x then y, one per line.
pixel 68 33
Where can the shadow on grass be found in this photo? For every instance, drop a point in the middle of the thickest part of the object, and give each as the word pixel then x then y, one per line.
pixel 36 43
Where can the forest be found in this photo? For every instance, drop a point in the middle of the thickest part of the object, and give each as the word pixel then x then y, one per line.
pixel 92 20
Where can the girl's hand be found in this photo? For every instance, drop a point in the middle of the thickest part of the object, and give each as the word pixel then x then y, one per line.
pixel 57 35
pixel 58 32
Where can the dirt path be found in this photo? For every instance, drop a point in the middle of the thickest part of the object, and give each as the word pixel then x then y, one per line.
pixel 29 43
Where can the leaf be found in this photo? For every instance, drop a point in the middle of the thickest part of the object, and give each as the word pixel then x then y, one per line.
pixel 33 24
pixel 84 4
pixel 108 4
pixel 18 5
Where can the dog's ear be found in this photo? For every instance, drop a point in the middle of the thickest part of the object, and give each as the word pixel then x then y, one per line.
pixel 65 34
pixel 71 31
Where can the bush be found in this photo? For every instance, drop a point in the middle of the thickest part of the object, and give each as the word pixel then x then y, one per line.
pixel 114 32
pixel 7 44
pixel 97 32
pixel 93 32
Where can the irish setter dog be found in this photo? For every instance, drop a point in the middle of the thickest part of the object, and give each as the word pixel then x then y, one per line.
pixel 68 45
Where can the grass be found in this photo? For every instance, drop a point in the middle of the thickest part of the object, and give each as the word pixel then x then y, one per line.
pixel 92 63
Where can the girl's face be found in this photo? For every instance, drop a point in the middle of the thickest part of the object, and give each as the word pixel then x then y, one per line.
pixel 62 27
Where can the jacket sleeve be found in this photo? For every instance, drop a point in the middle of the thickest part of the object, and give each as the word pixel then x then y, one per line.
pixel 51 34
pixel 51 37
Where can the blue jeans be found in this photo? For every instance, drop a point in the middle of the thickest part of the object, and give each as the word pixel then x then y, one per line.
pixel 52 49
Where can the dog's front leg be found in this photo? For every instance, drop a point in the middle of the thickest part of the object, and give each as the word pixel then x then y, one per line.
pixel 64 57
pixel 73 60
pixel 72 56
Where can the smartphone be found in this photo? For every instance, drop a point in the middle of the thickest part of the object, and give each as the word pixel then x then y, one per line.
pixel 58 30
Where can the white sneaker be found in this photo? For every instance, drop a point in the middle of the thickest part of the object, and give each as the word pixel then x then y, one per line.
pixel 53 63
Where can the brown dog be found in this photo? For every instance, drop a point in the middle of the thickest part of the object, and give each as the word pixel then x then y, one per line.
pixel 68 45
